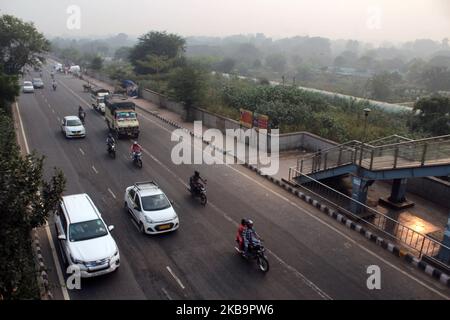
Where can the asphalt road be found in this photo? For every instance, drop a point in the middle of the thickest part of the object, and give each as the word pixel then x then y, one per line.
pixel 310 255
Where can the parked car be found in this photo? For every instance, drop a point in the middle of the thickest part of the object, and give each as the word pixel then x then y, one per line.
pixel 72 127
pixel 38 83
pixel 84 238
pixel 28 87
pixel 150 208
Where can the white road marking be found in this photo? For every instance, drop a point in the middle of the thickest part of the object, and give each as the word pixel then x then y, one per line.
pixel 58 118
pixel 95 170
pixel 47 229
pixel 112 193
pixel 166 294
pixel 81 150
pixel 175 277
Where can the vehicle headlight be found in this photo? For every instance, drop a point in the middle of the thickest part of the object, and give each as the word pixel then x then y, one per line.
pixel 76 261
pixel 115 254
pixel 148 220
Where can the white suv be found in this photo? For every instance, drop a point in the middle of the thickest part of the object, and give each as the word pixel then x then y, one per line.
pixel 84 238
pixel 150 208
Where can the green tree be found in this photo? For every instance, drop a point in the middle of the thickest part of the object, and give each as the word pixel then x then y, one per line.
pixel 188 85
pixel 431 115
pixel 96 63
pixel 122 53
pixel 226 65
pixel 26 199
pixel 20 45
pixel 155 44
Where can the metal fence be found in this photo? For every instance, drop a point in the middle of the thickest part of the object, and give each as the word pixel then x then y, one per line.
pixel 419 244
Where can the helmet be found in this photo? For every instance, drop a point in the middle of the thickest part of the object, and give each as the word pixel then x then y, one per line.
pixel 135 143
pixel 110 135
pixel 249 223
pixel 197 174
pixel 244 221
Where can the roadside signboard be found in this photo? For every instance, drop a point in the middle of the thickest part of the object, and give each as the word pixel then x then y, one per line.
pixel 246 118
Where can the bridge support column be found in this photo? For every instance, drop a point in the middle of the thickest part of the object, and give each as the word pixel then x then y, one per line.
pixel 360 188
pixel 444 254
pixel 398 191
pixel 397 200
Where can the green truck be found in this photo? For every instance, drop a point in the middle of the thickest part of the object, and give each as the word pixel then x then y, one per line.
pixel 121 117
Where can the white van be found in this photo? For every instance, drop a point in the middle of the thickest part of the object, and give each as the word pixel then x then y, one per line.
pixel 74 69
pixel 84 238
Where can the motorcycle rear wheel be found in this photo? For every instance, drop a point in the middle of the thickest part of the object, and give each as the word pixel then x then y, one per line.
pixel 203 200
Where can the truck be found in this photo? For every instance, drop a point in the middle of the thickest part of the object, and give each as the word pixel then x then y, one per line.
pixel 121 117
pixel 98 98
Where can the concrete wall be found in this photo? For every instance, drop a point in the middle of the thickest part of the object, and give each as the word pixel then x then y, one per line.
pixel 432 189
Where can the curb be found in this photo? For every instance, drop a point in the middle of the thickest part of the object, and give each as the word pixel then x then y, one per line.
pixel 43 276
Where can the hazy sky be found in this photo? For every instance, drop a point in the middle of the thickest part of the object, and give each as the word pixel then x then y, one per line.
pixel 372 20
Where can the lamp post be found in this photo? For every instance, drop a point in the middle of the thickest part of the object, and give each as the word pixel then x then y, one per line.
pixel 366 115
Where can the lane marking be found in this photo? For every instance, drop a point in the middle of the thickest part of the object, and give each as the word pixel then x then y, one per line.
pixel 166 294
pixel 175 277
pixel 47 229
pixel 95 170
pixel 81 150
pixel 112 193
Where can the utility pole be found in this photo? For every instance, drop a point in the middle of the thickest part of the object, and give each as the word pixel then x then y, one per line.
pixel 366 115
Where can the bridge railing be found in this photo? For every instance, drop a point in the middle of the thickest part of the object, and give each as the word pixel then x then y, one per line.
pixel 404 154
pixel 419 244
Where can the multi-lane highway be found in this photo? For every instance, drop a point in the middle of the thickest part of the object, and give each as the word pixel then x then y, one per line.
pixel 311 256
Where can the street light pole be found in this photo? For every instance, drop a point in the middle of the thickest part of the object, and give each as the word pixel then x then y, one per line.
pixel 366 115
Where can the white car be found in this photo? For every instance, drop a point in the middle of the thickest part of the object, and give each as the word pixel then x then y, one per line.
pixel 28 87
pixel 150 208
pixel 72 127
pixel 84 239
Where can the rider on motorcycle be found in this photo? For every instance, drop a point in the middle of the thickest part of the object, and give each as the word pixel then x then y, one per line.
pixel 81 113
pixel 110 141
pixel 240 233
pixel 54 84
pixel 250 237
pixel 195 183
pixel 135 149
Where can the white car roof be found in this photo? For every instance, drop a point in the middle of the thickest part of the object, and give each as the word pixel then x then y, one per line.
pixel 147 188
pixel 71 118
pixel 27 83
pixel 79 208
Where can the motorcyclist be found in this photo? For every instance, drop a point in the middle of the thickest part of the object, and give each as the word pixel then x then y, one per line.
pixel 52 74
pixel 81 113
pixel 54 85
pixel 135 149
pixel 110 141
pixel 240 233
pixel 195 183
pixel 250 237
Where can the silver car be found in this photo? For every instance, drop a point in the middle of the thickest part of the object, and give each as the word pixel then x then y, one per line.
pixel 28 87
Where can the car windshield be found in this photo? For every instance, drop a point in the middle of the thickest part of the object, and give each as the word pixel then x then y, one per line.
pixel 73 123
pixel 156 202
pixel 87 230
pixel 27 83
pixel 37 80
pixel 126 115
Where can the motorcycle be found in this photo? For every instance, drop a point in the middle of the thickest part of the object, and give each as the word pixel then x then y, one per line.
pixel 137 159
pixel 112 150
pixel 82 116
pixel 199 192
pixel 54 87
pixel 255 252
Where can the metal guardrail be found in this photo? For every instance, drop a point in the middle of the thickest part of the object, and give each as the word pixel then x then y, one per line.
pixel 419 244
pixel 404 154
